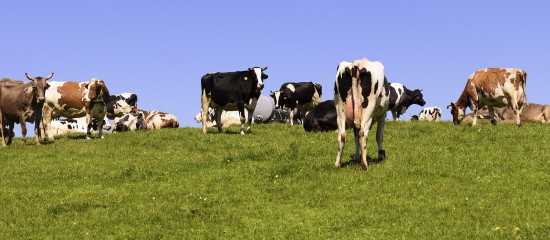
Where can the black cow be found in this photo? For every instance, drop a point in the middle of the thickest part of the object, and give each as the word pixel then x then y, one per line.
pixel 231 91
pixel 300 95
pixel 402 98
pixel 321 118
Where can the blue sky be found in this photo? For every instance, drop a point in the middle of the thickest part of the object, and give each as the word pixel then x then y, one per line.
pixel 160 49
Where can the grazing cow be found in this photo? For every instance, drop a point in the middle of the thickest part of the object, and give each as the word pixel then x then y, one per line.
pixel 301 95
pixel 321 118
pixel 492 87
pixel 430 114
pixel 77 99
pixel 231 91
pixel 121 104
pixel 129 122
pixel 22 102
pixel 402 98
pixel 228 118
pixel 361 96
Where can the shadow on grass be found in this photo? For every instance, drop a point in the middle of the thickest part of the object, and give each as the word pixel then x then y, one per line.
pixel 352 161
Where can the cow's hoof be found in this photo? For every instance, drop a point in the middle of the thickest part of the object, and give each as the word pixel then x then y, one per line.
pixel 381 155
pixel 494 122
pixel 242 132
pixel 364 166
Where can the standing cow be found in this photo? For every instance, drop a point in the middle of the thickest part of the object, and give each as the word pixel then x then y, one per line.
pixel 402 98
pixel 21 103
pixel 77 99
pixel 361 96
pixel 301 95
pixel 231 91
pixel 492 87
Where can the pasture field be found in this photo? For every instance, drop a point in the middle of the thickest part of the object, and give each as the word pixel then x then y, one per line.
pixel 438 182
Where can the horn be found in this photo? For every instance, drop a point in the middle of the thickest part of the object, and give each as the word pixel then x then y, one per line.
pixel 48 78
pixel 265 68
pixel 27 75
pixel 449 105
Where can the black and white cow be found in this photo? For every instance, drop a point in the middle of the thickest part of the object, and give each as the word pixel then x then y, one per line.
pixel 430 114
pixel 121 104
pixel 402 98
pixel 231 91
pixel 130 122
pixel 301 95
pixel 361 96
pixel 321 118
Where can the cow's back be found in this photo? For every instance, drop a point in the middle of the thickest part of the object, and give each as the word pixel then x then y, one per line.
pixel 65 99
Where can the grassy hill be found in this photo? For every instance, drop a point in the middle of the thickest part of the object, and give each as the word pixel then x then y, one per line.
pixel 438 182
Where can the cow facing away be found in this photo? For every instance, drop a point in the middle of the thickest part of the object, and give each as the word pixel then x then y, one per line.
pixel 402 98
pixel 492 87
pixel 22 102
pixel 300 95
pixel 231 91
pixel 430 114
pixel 74 100
pixel 361 96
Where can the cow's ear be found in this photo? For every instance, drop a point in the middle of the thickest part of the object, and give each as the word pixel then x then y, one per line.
pixel 264 76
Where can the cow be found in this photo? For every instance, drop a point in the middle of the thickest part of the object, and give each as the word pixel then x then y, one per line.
pixel 430 114
pixel 157 119
pixel 530 113
pixel 492 87
pixel 228 118
pixel 321 118
pixel 414 117
pixel 129 122
pixel 21 102
pixel 77 99
pixel 72 125
pixel 121 104
pixel 361 96
pixel 298 95
pixel 402 98
pixel 231 91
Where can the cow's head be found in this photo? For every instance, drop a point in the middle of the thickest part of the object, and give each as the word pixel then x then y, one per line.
pixel 39 87
pixel 95 90
pixel 259 76
pixel 276 95
pixel 457 112
pixel 124 103
pixel 418 98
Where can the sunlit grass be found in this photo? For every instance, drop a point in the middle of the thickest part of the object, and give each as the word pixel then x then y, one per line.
pixel 438 182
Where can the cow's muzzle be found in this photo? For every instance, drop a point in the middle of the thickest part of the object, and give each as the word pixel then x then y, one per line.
pixel 260 86
pixel 40 99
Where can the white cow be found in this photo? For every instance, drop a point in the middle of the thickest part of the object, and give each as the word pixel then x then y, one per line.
pixel 228 118
pixel 430 114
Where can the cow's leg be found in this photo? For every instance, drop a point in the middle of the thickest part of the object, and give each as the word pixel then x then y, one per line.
pixel 205 103
pixel 88 124
pixel 10 131
pixel 218 119
pixel 23 128
pixel 2 130
pixel 474 122
pixel 100 128
pixel 380 137
pixel 291 115
pixel 341 122
pixel 518 108
pixel 46 121
pixel 356 139
pixel 249 119
pixel 394 115
pixel 37 134
pixel 492 115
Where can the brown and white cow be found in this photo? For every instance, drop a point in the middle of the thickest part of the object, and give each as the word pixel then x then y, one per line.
pixel 22 102
pixel 361 96
pixel 74 100
pixel 491 87
pixel 157 119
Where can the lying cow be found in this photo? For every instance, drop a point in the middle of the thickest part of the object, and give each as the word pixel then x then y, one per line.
pixel 361 96
pixel 430 114
pixel 157 119
pixel 530 113
pixel 76 125
pixel 301 95
pixel 402 98
pixel 492 87
pixel 321 118
pixel 121 104
pixel 228 118
pixel 129 122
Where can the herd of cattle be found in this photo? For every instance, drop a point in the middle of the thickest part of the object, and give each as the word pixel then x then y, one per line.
pixel 86 106
pixel 362 97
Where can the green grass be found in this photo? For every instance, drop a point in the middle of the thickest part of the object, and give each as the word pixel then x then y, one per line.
pixel 438 182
